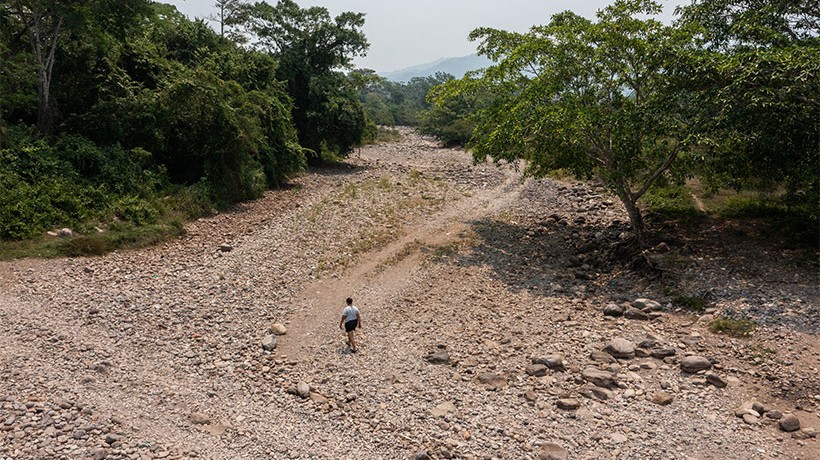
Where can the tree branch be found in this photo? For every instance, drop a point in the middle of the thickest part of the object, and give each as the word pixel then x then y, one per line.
pixel 663 167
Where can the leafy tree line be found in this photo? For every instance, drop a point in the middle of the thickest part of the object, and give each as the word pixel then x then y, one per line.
pixel 126 110
pixel 730 92
pixel 391 103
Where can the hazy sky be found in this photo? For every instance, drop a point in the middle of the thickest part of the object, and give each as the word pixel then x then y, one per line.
pixel 404 33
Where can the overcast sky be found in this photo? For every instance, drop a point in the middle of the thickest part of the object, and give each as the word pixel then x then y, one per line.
pixel 404 33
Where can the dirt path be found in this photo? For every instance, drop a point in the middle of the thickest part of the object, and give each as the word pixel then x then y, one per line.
pixel 388 267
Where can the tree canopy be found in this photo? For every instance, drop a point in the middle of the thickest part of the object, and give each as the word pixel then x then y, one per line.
pixel 729 92
pixel 753 78
pixel 588 96
pixel 312 49
pixel 108 106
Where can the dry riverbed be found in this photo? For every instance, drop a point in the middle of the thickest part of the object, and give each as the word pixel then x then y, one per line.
pixel 495 325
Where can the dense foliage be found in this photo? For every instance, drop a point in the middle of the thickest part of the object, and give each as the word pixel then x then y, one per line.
pixel 753 79
pixel 312 47
pixel 111 110
pixel 730 93
pixel 391 103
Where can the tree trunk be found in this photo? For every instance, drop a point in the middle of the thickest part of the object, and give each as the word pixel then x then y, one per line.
pixel 636 220
pixel 43 29
pixel 44 117
pixel 635 217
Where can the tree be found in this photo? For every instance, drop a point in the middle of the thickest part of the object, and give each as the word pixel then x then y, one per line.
pixel 754 81
pixel 582 95
pixel 312 48
pixel 43 23
pixel 49 23
pixel 229 15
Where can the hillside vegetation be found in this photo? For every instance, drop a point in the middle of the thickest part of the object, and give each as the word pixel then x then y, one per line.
pixel 118 116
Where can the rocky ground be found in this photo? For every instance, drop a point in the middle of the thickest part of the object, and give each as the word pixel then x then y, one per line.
pixel 496 324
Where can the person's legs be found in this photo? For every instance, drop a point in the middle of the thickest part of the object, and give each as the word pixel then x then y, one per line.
pixel 351 340
pixel 350 327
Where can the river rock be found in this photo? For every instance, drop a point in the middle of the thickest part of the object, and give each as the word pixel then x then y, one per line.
pixel 303 390
pixel 568 404
pixel 269 342
pixel 536 370
pixel 598 377
pixel 439 357
pixel 552 451
pixel 614 310
pixel 693 364
pixel 635 313
pixel 492 381
pixel 789 423
pixel 805 433
pixel 621 348
pixel 443 409
pixel 716 380
pixel 660 353
pixel 198 418
pixel 646 304
pixel 662 398
pixel 601 357
pixel 554 362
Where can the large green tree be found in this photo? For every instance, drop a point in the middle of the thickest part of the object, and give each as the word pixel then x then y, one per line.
pixel 588 96
pixel 754 81
pixel 48 25
pixel 312 49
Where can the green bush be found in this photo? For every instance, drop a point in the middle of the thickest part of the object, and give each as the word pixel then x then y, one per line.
pixel 732 327
pixel 71 183
pixel 135 210
pixel 673 200
pixel 691 303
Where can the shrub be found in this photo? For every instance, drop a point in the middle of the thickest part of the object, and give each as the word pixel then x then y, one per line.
pixel 732 327
pixel 135 210
pixel 692 303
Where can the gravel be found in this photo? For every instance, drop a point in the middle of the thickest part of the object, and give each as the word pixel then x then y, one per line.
pixel 483 337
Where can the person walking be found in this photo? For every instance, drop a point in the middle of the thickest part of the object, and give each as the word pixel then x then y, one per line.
pixel 351 319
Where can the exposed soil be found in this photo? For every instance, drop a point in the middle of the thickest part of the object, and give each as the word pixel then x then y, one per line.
pixel 466 276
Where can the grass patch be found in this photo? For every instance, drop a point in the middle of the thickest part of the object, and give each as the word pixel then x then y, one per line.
pixel 120 236
pixel 401 255
pixel 738 328
pixel 413 195
pixel 562 175
pixel 690 303
pixel 748 213
pixel 673 201
pixel 445 251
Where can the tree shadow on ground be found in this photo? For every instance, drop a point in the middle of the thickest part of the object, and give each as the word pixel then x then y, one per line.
pixel 552 257
pixel 337 169
pixel 549 257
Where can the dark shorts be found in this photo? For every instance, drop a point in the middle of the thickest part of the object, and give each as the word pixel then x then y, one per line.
pixel 350 326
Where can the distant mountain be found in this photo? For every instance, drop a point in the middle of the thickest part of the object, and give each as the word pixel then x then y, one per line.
pixel 457 67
